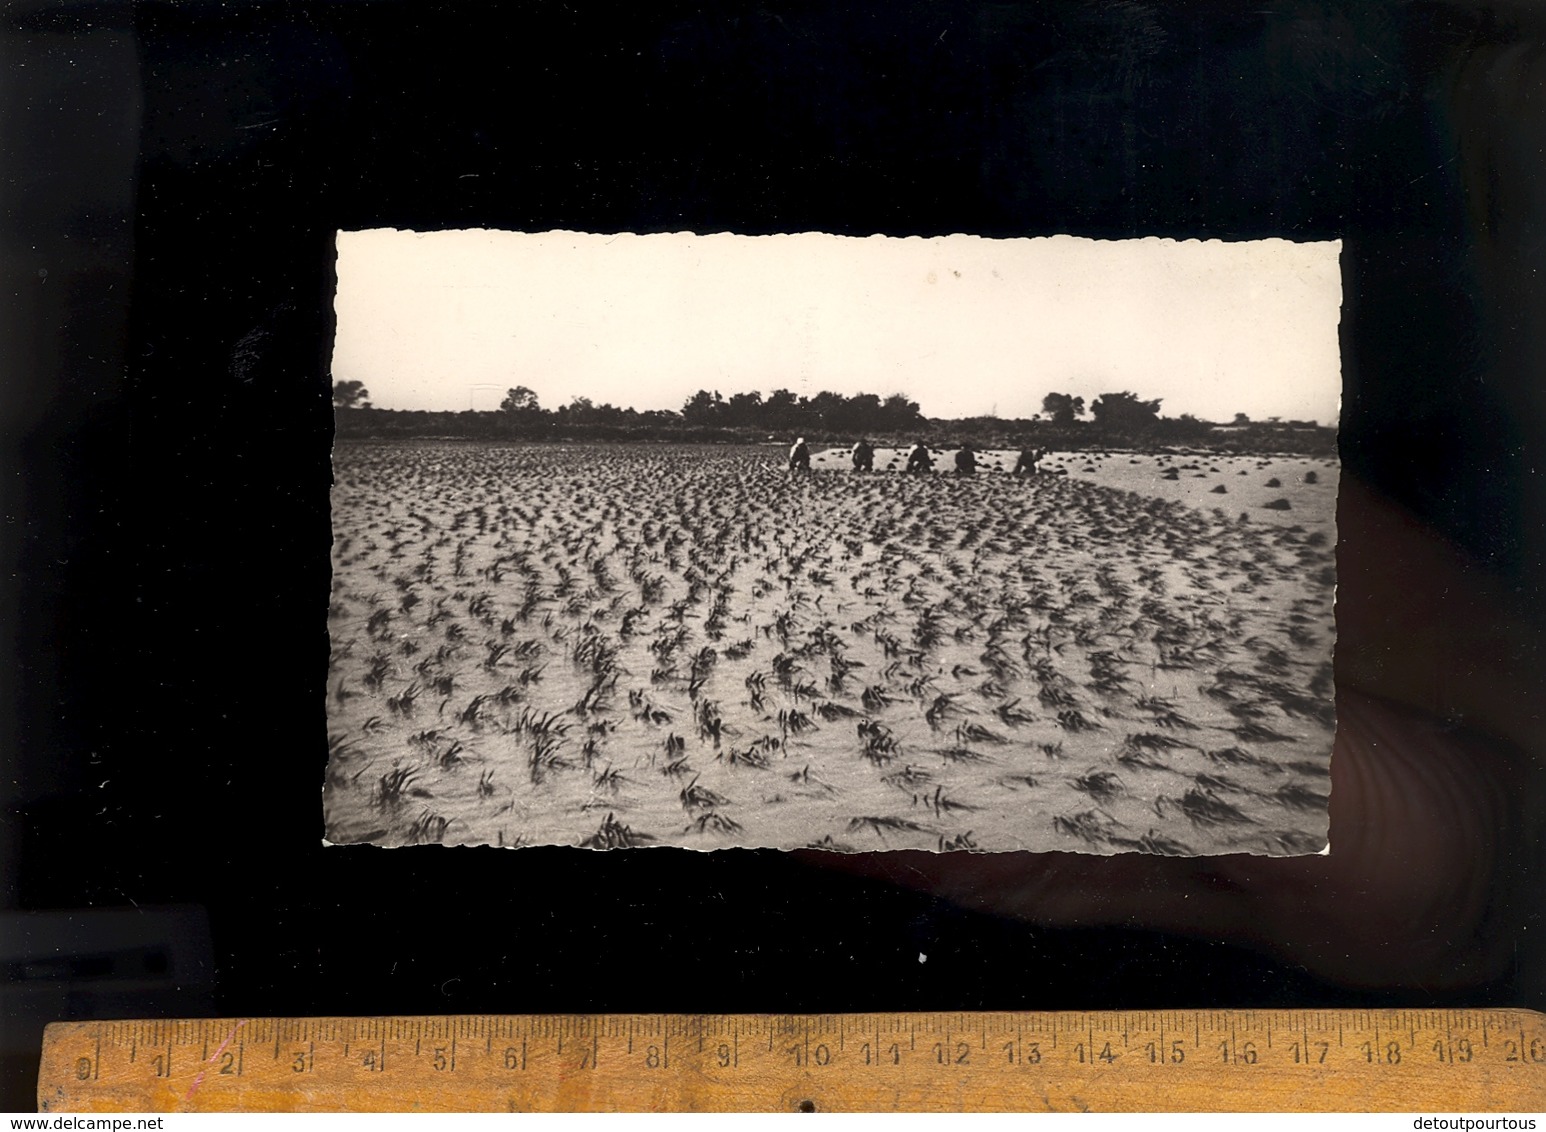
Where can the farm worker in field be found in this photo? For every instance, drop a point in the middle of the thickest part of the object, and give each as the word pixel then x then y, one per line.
pixel 799 457
pixel 966 460
pixel 1029 457
pixel 864 457
pixel 918 459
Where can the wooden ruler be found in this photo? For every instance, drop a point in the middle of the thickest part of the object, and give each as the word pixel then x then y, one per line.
pixel 1299 1060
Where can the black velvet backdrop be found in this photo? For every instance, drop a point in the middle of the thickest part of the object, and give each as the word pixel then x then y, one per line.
pixel 177 175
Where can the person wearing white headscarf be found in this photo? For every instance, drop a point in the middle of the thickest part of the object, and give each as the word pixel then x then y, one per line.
pixel 799 456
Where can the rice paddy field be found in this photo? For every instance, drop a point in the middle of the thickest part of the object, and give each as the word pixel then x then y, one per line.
pixel 630 645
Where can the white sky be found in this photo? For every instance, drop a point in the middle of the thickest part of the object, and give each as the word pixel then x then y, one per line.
pixel 961 324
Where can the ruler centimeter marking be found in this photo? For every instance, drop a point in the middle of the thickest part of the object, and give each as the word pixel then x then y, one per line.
pixel 1285 1060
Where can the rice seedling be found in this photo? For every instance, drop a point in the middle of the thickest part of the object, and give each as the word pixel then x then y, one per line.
pixel 712 821
pixel 1248 709
pixel 1299 842
pixel 1235 756
pixel 1252 732
pixel 960 842
pixel 647 712
pixel 695 797
pixel 1319 709
pixel 402 703
pixel 1172 719
pixel 596 696
pixel 613 834
pixel 976 733
pixel 794 722
pixel 711 725
pixel 831 710
pixel 394 784
pixel 472 713
pixel 1091 826
pixel 881 825
pixel 376 674
pixel 545 756
pixel 428 828
pixel 940 803
pixel 1300 797
pixel 962 754
pixel 1071 719
pixel 607 780
pixel 909 778
pixel 880 745
pixel 1314 770
pixel 943 705
pixel 1217 782
pixel 828 844
pixel 804 777
pixel 1102 785
pixel 1139 757
pixel 1052 696
pixel 875 699
pixel 541 724
pixel 1202 808
pixel 752 757
pixel 1153 842
pixel 803 690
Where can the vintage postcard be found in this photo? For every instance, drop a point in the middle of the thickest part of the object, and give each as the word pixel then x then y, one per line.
pixel 814 541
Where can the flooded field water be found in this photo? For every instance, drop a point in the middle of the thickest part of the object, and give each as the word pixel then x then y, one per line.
pixel 628 645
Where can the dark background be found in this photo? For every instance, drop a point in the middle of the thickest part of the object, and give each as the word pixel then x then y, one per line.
pixel 173 180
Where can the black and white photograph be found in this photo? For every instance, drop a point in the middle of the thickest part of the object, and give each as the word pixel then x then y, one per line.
pixel 402 460
pixel 843 543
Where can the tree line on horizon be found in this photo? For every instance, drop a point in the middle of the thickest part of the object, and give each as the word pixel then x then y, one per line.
pixel 783 411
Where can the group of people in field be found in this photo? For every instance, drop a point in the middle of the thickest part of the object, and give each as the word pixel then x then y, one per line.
pixel 919 460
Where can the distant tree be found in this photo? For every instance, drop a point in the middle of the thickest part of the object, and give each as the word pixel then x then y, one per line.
pixel 350 395
pixel 1124 410
pixel 703 408
pixel 580 410
pixel 1188 425
pixel 829 410
pixel 781 410
pixel 520 400
pixel 1242 419
pixel 864 411
pixel 1062 408
pixel 899 413
pixel 744 409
